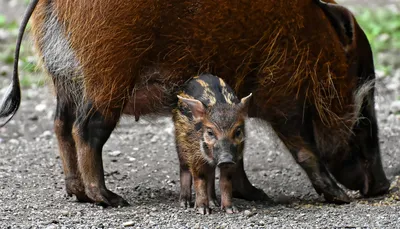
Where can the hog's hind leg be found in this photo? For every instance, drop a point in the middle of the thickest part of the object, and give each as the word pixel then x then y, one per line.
pixel 61 64
pixel 91 131
pixel 243 189
pixel 63 121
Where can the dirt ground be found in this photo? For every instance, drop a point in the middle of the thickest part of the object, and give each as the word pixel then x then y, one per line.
pixel 141 165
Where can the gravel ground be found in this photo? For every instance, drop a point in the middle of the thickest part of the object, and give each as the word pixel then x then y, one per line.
pixel 141 164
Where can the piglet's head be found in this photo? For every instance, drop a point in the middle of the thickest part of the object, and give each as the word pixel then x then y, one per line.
pixel 221 129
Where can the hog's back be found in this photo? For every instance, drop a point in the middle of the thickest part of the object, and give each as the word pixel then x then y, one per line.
pixel 286 52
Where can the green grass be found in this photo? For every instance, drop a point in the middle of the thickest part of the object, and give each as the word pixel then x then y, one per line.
pixel 382 27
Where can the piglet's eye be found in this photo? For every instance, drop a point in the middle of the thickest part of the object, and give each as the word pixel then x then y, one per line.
pixel 238 132
pixel 210 132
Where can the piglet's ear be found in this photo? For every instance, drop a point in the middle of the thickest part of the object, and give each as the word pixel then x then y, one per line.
pixel 197 107
pixel 343 22
pixel 244 102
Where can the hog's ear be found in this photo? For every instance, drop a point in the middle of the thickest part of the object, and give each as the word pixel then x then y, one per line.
pixel 342 21
pixel 197 107
pixel 244 102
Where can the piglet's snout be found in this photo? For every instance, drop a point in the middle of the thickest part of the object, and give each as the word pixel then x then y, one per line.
pixel 225 159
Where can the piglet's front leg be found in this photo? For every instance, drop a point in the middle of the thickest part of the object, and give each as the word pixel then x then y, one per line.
pixel 226 189
pixel 200 186
pixel 212 197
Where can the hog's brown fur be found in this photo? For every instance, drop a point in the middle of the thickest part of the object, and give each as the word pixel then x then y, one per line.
pixel 289 46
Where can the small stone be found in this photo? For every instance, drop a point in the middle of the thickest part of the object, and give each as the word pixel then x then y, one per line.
pixel 114 153
pixel 154 209
pixel 154 139
pixel 129 223
pixel 46 134
pixel 40 107
pixel 65 213
pixel 51 227
pixel 33 117
pixel 248 213
pixel 13 141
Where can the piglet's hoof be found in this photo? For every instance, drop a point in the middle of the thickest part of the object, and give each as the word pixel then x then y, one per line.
pixel 185 204
pixel 231 210
pixel 105 197
pixel 204 210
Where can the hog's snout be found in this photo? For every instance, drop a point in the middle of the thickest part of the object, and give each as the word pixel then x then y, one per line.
pixel 376 187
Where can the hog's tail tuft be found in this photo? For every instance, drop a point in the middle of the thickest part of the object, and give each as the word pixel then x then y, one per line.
pixel 12 98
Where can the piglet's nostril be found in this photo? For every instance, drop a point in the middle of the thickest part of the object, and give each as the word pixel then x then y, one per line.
pixel 225 160
pixel 228 163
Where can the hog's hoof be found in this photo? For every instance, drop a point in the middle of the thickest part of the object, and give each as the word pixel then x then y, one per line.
pixel 340 198
pixel 230 210
pixel 75 187
pixel 254 194
pixel 204 210
pixel 82 197
pixel 105 197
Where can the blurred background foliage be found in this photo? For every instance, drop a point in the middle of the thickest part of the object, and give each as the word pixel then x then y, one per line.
pixel 382 27
pixel 9 25
pixel 381 23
